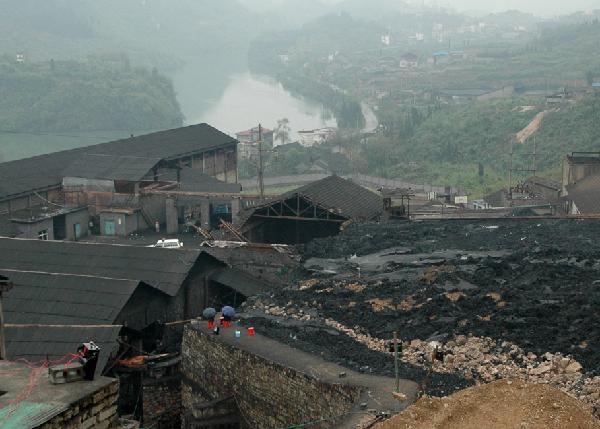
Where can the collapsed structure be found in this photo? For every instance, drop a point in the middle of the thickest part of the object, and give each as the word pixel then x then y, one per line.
pixel 318 209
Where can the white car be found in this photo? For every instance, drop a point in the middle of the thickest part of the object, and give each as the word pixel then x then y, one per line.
pixel 168 244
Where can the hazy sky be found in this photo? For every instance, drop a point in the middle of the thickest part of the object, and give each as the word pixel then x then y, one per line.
pixel 539 7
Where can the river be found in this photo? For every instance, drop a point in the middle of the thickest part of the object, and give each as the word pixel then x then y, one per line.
pixel 218 91
pixel 238 100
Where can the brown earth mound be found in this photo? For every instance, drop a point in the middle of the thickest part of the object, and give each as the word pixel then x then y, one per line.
pixel 503 404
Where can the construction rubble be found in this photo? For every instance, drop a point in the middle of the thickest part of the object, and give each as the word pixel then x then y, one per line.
pixel 489 302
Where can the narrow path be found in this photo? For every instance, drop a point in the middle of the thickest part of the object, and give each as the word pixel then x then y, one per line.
pixel 533 126
pixel 371 122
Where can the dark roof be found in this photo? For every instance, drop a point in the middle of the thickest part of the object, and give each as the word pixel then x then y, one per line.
pixel 36 343
pixel 463 92
pixel 65 299
pixel 586 194
pixel 583 159
pixel 39 213
pixel 111 167
pixel 548 183
pixel 342 196
pixel 193 180
pixel 334 193
pixel 240 281
pixel 46 171
pixel 163 269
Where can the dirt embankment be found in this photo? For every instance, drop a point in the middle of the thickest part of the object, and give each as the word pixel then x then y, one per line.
pixel 504 404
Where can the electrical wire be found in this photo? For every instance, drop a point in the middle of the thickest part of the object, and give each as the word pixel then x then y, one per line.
pixel 36 371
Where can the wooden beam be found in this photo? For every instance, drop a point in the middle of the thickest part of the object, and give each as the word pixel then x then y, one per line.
pixel 290 208
pixel 5 286
pixel 310 219
pixel 224 195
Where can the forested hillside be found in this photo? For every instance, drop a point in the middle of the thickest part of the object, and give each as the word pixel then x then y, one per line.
pixel 60 96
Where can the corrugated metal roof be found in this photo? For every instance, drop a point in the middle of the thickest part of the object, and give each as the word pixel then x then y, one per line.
pixel 163 269
pixel 64 299
pixel 111 167
pixel 36 343
pixel 586 194
pixel 44 171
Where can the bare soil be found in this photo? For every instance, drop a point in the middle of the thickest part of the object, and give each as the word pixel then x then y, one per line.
pixel 503 404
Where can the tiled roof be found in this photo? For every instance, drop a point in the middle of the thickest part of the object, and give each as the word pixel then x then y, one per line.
pixel 65 299
pixel 37 343
pixel 46 171
pixel 334 193
pixel 111 167
pixel 163 269
pixel 343 196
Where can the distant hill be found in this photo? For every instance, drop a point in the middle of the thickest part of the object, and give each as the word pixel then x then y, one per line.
pixel 60 96
pixel 153 32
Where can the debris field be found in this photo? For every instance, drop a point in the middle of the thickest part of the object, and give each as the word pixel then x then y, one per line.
pixel 512 299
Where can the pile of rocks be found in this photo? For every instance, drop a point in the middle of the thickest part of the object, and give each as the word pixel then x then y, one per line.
pixel 486 360
pixel 481 359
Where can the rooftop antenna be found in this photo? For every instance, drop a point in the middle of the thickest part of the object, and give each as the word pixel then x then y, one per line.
pixel 261 179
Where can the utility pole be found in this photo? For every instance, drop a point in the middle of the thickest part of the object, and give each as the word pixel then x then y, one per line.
pixel 261 181
pixel 5 286
pixel 396 368
pixel 510 168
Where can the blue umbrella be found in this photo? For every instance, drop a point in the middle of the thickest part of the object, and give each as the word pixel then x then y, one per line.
pixel 209 313
pixel 228 312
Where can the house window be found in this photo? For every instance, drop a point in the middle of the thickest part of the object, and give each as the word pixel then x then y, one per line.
pixel 43 234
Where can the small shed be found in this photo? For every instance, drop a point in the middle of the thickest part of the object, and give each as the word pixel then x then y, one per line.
pixel 318 209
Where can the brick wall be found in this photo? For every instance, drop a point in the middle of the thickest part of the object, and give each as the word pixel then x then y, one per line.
pixel 97 411
pixel 268 394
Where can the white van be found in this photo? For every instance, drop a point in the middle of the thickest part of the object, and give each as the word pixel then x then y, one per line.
pixel 168 244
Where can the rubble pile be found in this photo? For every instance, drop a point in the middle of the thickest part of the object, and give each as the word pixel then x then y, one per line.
pixel 516 300
pixel 486 360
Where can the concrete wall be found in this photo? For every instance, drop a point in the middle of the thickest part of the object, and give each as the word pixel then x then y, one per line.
pixel 124 224
pixel 31 230
pixel 573 173
pixel 81 217
pixel 269 395
pixel 97 411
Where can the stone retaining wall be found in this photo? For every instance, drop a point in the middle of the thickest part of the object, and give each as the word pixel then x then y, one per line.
pixel 97 411
pixel 267 394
